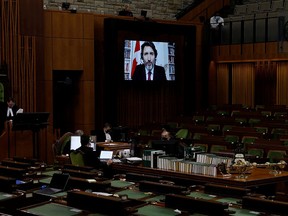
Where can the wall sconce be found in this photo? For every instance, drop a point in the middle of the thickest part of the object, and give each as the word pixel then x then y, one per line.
pixel 65 5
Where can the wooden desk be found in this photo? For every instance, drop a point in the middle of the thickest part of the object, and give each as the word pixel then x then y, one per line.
pixel 259 178
pixel 113 146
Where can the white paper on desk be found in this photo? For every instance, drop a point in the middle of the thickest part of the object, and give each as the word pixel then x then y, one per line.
pixel 134 159
pixel 102 193
pixel 19 111
pixel 91 180
pixel 109 144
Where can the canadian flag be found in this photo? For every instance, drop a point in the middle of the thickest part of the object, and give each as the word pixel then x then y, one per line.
pixel 136 57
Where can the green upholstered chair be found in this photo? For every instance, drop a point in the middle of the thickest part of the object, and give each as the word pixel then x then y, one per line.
pixel 275 156
pixel 197 136
pixel 198 119
pixel 203 147
pixel 182 134
pixel 259 107
pixel 248 139
pixel 258 153
pixel 223 113
pixel 217 148
pixel 156 133
pixel 209 118
pixel 241 121
pixel 62 142
pixel 214 128
pixel 231 139
pixel 279 115
pixel 266 113
pixel 172 124
pixel 76 158
pixel 226 128
pixel 263 130
pixel 277 132
pixel 2 95
pixel 143 132
pixel 253 121
pixel 235 112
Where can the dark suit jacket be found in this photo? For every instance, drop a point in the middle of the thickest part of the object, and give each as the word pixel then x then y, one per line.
pixel 91 159
pixel 100 135
pixel 140 73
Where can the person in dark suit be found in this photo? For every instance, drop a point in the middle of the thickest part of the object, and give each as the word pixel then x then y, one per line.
pixel 105 134
pixel 90 157
pixel 149 70
pixel 12 108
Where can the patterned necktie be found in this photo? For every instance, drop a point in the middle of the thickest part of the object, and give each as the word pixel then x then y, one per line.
pixel 149 75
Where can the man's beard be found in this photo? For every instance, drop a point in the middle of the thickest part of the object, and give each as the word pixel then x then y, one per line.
pixel 149 65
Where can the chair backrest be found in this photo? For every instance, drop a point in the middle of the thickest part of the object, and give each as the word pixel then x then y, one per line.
pixel 77 158
pixel 203 147
pixel 276 155
pixel 197 136
pixel 231 138
pixel 248 139
pixel 63 141
pixel 182 133
pixel 259 153
pixel 217 148
pixel 213 127
pixel 54 151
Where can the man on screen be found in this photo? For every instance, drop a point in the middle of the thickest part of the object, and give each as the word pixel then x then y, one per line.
pixel 149 70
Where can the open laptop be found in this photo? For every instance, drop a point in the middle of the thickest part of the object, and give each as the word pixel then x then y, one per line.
pixel 57 184
pixel 106 155
pixel 75 142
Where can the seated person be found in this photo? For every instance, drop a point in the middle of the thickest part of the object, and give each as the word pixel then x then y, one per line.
pixel 12 108
pixel 166 135
pixel 90 157
pixel 103 135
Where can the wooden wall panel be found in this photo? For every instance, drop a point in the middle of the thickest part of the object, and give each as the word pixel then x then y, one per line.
pixel 67 25
pixel 88 26
pixel 271 50
pixel 67 54
pixel 250 52
pixel 222 84
pixel 247 51
pixel 31 11
pixel 48 63
pixel 88 97
pixel 224 52
pixel 212 79
pixel 88 60
pixel 235 51
pixel 47 23
pixel 215 52
pixel 259 50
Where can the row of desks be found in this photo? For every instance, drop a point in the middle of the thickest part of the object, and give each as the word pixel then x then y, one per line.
pixel 145 191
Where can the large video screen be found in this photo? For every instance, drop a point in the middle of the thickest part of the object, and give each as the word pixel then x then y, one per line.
pixel 149 61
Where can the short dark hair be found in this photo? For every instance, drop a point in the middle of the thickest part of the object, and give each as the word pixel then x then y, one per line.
pixel 10 99
pixel 107 125
pixel 85 139
pixel 150 44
